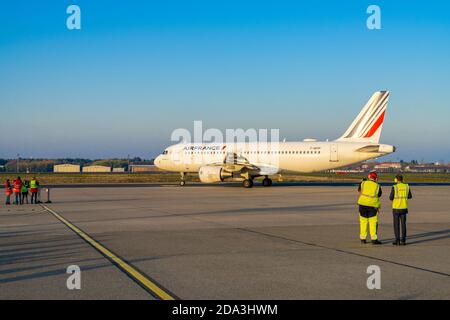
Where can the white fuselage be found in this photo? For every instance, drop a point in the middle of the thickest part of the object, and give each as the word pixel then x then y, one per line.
pixel 310 156
pixel 216 162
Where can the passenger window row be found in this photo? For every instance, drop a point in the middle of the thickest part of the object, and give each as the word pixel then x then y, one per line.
pixel 256 152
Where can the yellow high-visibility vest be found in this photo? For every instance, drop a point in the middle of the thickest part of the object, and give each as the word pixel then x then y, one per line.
pixel 369 194
pixel 33 184
pixel 401 191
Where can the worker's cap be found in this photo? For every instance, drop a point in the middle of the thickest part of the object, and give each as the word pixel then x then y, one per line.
pixel 373 175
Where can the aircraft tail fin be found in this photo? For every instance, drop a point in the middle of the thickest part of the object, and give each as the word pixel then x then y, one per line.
pixel 368 124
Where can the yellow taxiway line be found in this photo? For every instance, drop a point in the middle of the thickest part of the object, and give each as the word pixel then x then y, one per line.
pixel 137 276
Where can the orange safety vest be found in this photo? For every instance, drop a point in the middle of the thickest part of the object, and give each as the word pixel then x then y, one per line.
pixel 8 189
pixel 17 186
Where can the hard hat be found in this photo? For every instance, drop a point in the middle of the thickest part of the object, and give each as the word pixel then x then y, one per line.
pixel 373 175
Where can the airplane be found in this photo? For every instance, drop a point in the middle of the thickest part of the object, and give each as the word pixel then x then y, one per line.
pixel 245 161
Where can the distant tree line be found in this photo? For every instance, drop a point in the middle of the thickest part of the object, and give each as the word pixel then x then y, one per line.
pixel 46 165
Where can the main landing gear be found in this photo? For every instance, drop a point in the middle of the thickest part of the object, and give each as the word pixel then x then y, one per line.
pixel 267 182
pixel 248 183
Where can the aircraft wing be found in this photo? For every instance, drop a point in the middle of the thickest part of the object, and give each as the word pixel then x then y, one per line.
pixel 236 163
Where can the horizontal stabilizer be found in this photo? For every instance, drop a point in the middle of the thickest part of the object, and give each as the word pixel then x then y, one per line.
pixel 379 148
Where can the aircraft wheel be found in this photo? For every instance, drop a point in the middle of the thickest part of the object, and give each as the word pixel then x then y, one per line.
pixel 182 183
pixel 247 183
pixel 267 182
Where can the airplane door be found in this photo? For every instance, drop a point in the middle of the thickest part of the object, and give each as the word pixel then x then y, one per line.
pixel 176 156
pixel 190 164
pixel 189 160
pixel 334 153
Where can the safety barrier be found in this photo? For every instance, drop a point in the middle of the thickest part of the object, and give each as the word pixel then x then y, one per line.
pixel 47 191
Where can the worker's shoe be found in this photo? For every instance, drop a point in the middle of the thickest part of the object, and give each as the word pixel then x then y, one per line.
pixel 403 243
pixel 396 243
pixel 363 241
pixel 376 242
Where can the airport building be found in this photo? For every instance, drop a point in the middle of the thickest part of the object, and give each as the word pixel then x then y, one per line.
pixel 66 168
pixel 388 167
pixel 96 169
pixel 118 169
pixel 428 168
pixel 142 168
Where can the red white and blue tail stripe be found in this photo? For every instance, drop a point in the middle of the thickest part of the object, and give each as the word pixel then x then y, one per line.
pixel 368 124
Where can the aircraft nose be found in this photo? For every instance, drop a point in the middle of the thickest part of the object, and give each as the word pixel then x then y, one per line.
pixel 158 161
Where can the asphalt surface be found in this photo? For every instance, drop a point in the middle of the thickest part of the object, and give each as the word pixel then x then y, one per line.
pixel 223 242
pixel 228 184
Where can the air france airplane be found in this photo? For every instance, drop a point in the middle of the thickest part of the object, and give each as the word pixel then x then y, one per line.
pixel 248 160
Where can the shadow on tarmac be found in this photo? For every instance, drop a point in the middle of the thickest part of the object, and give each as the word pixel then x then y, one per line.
pixel 425 237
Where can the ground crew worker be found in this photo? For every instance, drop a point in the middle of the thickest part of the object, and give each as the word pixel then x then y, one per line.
pixel 400 193
pixel 25 187
pixel 17 188
pixel 34 185
pixel 369 206
pixel 8 192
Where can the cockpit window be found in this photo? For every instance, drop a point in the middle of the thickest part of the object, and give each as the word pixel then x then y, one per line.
pixel 165 152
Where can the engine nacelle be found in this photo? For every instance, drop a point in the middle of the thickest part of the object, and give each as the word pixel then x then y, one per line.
pixel 210 174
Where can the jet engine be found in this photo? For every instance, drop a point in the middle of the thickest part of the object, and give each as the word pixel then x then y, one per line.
pixel 210 174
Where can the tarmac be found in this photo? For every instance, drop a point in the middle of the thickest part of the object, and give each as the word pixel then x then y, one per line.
pixel 221 242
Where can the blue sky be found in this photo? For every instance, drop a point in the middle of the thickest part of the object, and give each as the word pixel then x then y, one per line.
pixel 137 70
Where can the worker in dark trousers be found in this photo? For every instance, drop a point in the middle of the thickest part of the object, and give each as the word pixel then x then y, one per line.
pixel 34 189
pixel 25 187
pixel 369 207
pixel 17 188
pixel 399 196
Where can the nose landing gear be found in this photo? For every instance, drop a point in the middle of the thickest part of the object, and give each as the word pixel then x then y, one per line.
pixel 183 181
pixel 247 183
